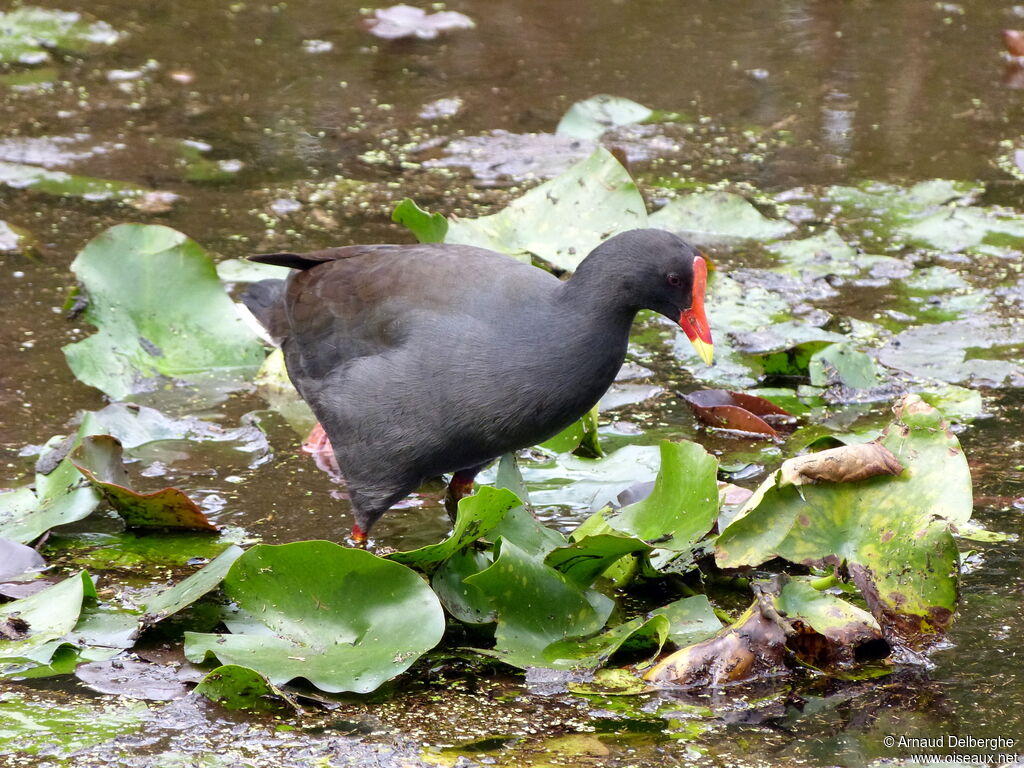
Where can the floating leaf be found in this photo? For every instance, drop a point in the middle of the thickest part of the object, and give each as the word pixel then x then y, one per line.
pixel 845 365
pixel 99 459
pixel 590 118
pixel 691 620
pixel 892 533
pixel 737 411
pixel 477 516
pixel 683 506
pixel 169 601
pixel 159 309
pixel 29 34
pixel 562 220
pixel 17 559
pixel 400 21
pixel 982 350
pixel 466 602
pixel 519 525
pixel 14 239
pixel 641 633
pixel 34 627
pixel 61 184
pixel 132 679
pixel 428 227
pixel 58 498
pixel 536 606
pixel 588 557
pixel 348 624
pixel 710 218
pixel 234 687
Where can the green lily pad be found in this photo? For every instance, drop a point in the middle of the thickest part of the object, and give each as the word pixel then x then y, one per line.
pixel 34 627
pixel 466 602
pixel 691 620
pixel 711 218
pixel 843 364
pixel 641 633
pixel 519 526
pixel 14 239
pixel 348 624
pixel 891 532
pixel 428 227
pixel 28 35
pixel 683 506
pixel 31 727
pixel 169 601
pixel 891 202
pixel 234 687
pixel 98 458
pixel 160 310
pixel 817 256
pixel 537 606
pixel 58 498
pixel 983 350
pixel 582 483
pixel 590 556
pixel 590 118
pixel 563 219
pixel 62 184
pixel 199 168
pixel 245 271
pixel 962 228
pixel 955 403
pixel 477 516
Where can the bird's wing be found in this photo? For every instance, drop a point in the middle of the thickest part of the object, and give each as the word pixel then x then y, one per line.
pixel 363 301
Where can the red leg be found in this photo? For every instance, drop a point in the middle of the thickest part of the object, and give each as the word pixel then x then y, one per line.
pixel 461 485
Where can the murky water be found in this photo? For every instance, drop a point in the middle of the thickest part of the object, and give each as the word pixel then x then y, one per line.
pixel 299 94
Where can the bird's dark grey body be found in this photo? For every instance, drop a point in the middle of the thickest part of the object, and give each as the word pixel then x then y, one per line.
pixel 424 359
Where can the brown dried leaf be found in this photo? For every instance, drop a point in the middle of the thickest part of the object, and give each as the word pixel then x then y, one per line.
pixel 738 412
pixel 99 459
pixel 846 464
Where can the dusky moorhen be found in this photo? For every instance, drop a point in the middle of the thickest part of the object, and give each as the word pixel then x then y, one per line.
pixel 424 359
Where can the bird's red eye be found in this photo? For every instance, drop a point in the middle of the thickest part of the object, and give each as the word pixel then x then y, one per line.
pixel 673 279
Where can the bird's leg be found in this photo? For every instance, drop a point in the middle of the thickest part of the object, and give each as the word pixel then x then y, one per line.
pixel 461 485
pixel 358 537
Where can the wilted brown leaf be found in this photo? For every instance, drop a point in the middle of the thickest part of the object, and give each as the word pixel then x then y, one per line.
pixel 845 464
pixel 99 459
pixel 738 412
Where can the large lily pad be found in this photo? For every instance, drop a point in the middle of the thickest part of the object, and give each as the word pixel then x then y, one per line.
pixel 683 506
pixel 563 219
pixel 536 606
pixel 982 350
pixel 62 184
pixel 892 533
pixel 29 35
pixel 589 118
pixel 710 218
pixel 58 497
pixel 34 627
pixel 160 310
pixel 349 623
pixel 477 516
pixel 519 525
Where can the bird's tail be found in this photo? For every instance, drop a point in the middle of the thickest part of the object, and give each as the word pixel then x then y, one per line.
pixel 265 299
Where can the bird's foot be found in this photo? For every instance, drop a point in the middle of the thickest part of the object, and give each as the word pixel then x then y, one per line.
pixel 358 537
